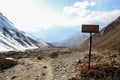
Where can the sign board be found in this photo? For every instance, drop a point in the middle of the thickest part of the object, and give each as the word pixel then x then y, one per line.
pixel 90 28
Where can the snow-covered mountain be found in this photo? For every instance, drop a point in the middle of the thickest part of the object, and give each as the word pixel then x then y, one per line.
pixel 14 39
pixel 72 42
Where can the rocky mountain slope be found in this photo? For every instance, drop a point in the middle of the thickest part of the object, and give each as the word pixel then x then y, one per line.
pixel 72 42
pixel 107 38
pixel 14 39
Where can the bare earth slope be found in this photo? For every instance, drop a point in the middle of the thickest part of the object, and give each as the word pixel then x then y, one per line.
pixel 107 38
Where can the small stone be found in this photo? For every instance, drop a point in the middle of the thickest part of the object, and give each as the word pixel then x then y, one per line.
pixel 43 74
pixel 44 67
pixel 14 77
pixel 79 62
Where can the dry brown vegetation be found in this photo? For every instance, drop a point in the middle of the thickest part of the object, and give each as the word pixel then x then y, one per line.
pixel 104 66
pixel 6 63
pixel 50 52
pixel 103 71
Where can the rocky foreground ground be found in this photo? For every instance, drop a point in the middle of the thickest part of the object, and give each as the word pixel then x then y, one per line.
pixel 62 64
pixel 44 67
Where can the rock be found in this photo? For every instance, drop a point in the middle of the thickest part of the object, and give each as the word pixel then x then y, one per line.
pixel 53 55
pixel 14 77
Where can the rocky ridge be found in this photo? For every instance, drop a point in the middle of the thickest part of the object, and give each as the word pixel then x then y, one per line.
pixel 107 38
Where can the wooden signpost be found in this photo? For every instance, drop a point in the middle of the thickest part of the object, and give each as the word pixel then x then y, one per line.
pixel 90 29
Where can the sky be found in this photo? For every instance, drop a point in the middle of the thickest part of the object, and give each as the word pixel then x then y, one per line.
pixel 54 20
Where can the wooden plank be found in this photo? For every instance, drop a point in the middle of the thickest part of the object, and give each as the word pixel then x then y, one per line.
pixel 90 28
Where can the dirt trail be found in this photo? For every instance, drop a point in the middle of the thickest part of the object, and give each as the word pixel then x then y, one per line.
pixel 46 69
pixel 49 71
pixel 30 69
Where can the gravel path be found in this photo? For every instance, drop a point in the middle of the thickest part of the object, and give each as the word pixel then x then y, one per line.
pixel 64 65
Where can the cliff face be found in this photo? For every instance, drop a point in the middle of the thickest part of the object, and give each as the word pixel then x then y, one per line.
pixel 107 38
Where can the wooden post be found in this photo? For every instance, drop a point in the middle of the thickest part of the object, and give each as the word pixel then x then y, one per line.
pixel 90 29
pixel 90 50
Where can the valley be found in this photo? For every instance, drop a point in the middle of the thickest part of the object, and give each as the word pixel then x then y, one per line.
pixel 61 64
pixel 44 65
pixel 25 57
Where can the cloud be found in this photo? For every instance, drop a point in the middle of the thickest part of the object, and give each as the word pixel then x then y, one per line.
pixel 102 16
pixel 83 14
pixel 28 16
pixel 79 8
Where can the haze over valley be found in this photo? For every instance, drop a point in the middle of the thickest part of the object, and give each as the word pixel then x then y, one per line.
pixel 43 40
